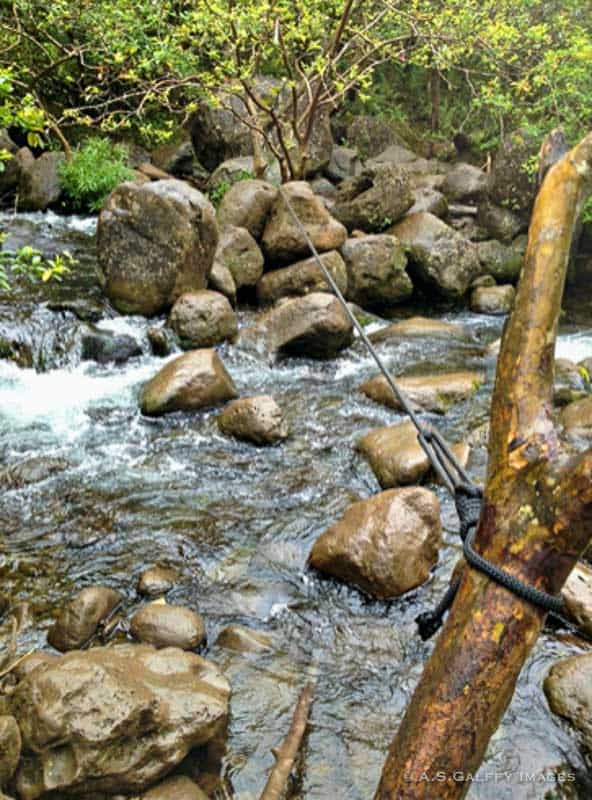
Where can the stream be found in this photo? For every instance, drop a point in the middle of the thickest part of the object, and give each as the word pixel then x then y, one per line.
pixel 104 493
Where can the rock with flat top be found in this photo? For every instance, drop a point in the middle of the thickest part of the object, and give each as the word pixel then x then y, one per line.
pixel 429 392
pixel 419 327
pixel 164 625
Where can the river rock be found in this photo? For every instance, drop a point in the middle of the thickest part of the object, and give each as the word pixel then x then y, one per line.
pixel 465 183
pixel 376 271
pixel 429 392
pixel 500 223
pixel 374 200
pixel 244 640
pixel 157 581
pixel 429 200
pixel 247 204
pixel 439 255
pixel 221 280
pixel 501 261
pixel 577 596
pixel 155 242
pixel 344 163
pixel 571 383
pixel 254 419
pixel 80 618
pixel 31 661
pixel 568 687
pixel 106 347
pixel 314 325
pixel 239 252
pixel 385 545
pixel 302 277
pixel 194 380
pixel 576 418
pixel 419 326
pixel 203 319
pixel 371 135
pixel 511 183
pixel 10 748
pixel 162 340
pixel 282 241
pixel 493 299
pixel 114 719
pixel 39 182
pixel 163 625
pixel 180 787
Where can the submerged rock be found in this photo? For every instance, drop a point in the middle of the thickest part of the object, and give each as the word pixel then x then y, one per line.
pixel 155 242
pixel 254 419
pixel 80 618
pixel 177 788
pixel 244 640
pixel 157 581
pixel 376 271
pixel 10 748
pixel 420 326
pixel 493 300
pixel 106 347
pixel 163 625
pixel 191 381
pixel 385 545
pixel 303 277
pixel 430 392
pixel 239 253
pixel 114 719
pixel 247 204
pixel 374 200
pixel 203 319
pixel 568 687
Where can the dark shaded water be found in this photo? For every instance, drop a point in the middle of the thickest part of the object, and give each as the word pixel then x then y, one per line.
pixel 238 523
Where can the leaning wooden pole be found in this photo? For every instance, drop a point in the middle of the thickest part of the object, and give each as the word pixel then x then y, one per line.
pixel 536 521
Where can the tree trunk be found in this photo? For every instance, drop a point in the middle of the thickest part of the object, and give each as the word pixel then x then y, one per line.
pixel 535 522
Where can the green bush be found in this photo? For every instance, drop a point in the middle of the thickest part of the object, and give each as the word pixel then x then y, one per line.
pixel 94 170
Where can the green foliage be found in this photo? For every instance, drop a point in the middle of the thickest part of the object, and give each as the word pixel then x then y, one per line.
pixel 94 170
pixel 29 264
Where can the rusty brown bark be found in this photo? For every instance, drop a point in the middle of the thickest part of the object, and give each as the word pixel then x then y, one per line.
pixel 535 522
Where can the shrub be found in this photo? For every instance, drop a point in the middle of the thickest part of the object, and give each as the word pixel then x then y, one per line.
pixel 94 170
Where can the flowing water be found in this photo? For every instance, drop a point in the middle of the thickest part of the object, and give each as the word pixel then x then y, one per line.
pixel 102 493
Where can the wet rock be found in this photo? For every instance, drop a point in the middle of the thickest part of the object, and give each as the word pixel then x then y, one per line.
pixel 371 135
pixel 430 392
pixel 344 163
pixel 500 223
pixel 10 748
pixel 375 200
pixel 80 618
pixel 114 719
pixel 163 625
pixel 177 788
pixel 571 383
pixel 430 201
pixel 302 278
pixel 282 241
pixel 396 456
pixel 576 418
pixel 420 326
pixel 162 340
pixel 247 204
pixel 157 581
pixel 39 182
pixel 501 261
pixel 154 243
pixel 31 662
pixel 376 271
pixel 439 255
pixel 493 299
pixel 254 419
pixel 244 640
pixel 194 380
pixel 221 280
pixel 314 325
pixel 511 183
pixel 568 687
pixel 239 252
pixel 385 545
pixel 465 183
pixel 577 596
pixel 106 347
pixel 203 319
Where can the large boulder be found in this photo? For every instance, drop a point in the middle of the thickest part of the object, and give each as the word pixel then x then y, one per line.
pixel 435 393
pixel 502 261
pixel 239 253
pixel 154 242
pixel 314 325
pixel 80 618
pixel 282 240
pixel 419 327
pixel 194 380
pixel 430 200
pixel 439 255
pixel 512 184
pixel 376 271
pixel 385 545
pixel 568 687
pixel 465 183
pixel 254 419
pixel 39 182
pixel 203 319
pixel 114 719
pixel 303 277
pixel 164 625
pixel 107 347
pixel 374 200
pixel 247 204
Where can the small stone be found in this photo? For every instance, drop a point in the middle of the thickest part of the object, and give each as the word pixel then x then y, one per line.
pixel 177 788
pixel 10 747
pixel 500 223
pixel 493 300
pixel 163 625
pixel 162 341
pixel 80 618
pixel 430 392
pixel 568 688
pixel 577 596
pixel 502 262
pixel 244 640
pixel 157 581
pixel 254 419
pixel 203 319
pixel 419 326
